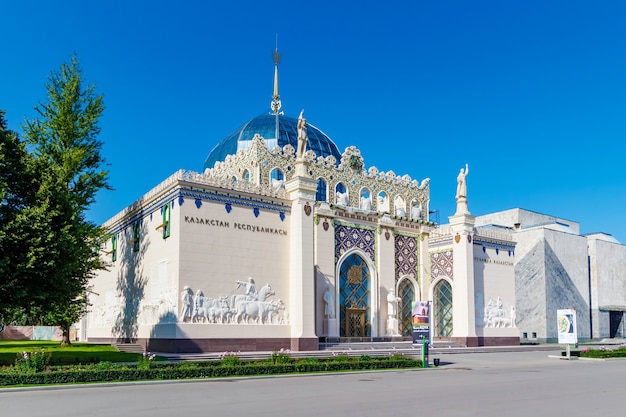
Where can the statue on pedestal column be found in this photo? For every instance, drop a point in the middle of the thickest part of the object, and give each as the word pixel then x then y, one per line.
pixel 461 191
pixel 392 311
pixel 392 303
pixel 329 303
pixel 461 188
pixel 302 137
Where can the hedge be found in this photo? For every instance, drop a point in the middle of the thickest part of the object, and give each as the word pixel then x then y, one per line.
pixel 195 370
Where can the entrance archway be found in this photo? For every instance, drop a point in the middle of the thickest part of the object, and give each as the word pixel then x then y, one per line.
pixel 442 309
pixel 354 297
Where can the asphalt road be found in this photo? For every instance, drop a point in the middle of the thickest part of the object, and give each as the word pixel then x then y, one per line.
pixel 473 384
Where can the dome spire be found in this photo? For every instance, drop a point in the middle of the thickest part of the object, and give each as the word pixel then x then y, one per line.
pixel 276 104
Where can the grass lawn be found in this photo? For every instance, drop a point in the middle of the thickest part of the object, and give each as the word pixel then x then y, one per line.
pixel 76 353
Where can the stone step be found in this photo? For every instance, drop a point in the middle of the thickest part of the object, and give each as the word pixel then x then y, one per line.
pixel 129 347
pixel 386 346
pixel 308 354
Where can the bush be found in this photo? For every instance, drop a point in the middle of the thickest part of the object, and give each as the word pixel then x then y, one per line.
pixel 282 357
pixel 36 361
pixel 230 359
pixel 145 360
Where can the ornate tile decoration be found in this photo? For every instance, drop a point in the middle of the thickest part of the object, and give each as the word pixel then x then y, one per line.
pixel 406 256
pixel 441 265
pixel 348 237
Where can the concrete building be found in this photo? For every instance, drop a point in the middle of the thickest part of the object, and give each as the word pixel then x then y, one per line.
pixel 557 268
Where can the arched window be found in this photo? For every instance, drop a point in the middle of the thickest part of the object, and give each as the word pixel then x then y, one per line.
pixel 442 309
pixel 246 175
pixel 382 202
pixel 341 195
pixel 277 174
pixel 320 194
pixel 277 178
pixel 365 199
pixel 399 206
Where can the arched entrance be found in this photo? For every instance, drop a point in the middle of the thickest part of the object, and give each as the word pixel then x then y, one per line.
pixel 406 293
pixel 354 297
pixel 442 309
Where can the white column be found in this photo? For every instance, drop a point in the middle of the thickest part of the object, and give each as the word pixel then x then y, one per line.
pixel 301 191
pixel 463 310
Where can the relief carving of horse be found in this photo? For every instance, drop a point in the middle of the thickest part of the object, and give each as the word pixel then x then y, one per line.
pixel 261 295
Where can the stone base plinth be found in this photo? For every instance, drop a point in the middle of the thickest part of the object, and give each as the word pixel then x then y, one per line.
pixel 392 327
pixel 331 329
pixel 219 345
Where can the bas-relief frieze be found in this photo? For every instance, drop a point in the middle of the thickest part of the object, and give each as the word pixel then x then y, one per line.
pixel 156 311
pixel 249 307
pixel 497 316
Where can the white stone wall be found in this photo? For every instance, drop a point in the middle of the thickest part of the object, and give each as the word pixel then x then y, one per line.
pixel 324 258
pixel 232 248
pixel 209 248
pixel 386 282
pixel 608 282
pixel 494 287
pixel 530 284
pixel 551 273
pixel 139 288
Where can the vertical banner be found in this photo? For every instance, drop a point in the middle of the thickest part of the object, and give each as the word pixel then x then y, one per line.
pixel 421 321
pixel 566 325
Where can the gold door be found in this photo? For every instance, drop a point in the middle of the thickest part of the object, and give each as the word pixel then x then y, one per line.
pixel 355 322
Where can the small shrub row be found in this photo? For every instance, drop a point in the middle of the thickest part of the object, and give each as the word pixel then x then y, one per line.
pixel 603 353
pixel 107 372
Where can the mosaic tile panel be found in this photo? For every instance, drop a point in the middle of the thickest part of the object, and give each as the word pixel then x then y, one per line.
pixel 348 237
pixel 441 264
pixel 406 256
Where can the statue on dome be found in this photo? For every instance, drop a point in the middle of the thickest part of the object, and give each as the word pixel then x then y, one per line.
pixel 302 137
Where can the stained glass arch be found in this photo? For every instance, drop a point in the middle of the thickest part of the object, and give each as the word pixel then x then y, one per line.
pixel 355 295
pixel 442 309
pixel 408 292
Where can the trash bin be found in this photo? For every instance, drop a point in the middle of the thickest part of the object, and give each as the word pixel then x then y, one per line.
pixel 436 361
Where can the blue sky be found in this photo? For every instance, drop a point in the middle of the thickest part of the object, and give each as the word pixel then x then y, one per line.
pixel 531 94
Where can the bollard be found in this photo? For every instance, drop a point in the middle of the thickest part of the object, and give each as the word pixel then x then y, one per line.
pixel 424 353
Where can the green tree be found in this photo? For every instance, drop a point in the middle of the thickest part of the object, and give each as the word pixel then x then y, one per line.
pixel 24 233
pixel 67 155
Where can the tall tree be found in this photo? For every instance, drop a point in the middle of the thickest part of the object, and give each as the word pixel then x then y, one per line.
pixel 24 234
pixel 67 152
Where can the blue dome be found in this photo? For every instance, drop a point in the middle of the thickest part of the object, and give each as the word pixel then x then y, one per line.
pixel 265 125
